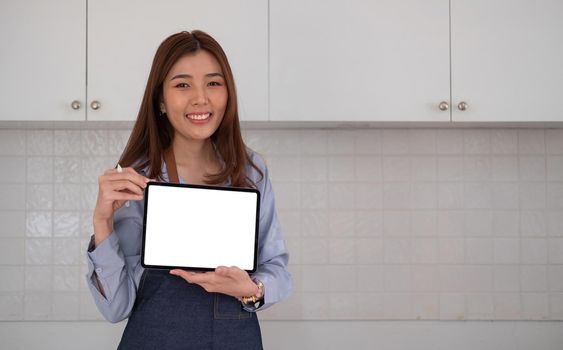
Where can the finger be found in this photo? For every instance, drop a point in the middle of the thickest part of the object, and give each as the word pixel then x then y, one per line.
pixel 182 273
pixel 107 193
pixel 108 183
pixel 234 272
pixel 132 171
pixel 202 278
pixel 192 277
pixel 197 278
pixel 222 270
pixel 137 179
pixel 124 186
pixel 237 269
pixel 127 173
pixel 123 196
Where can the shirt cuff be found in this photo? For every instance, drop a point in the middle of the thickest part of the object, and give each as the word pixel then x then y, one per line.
pixel 105 261
pixel 106 257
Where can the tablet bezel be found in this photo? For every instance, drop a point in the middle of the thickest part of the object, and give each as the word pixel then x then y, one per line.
pixel 206 187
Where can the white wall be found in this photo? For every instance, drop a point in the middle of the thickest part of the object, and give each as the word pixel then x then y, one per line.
pixel 382 224
pixel 326 335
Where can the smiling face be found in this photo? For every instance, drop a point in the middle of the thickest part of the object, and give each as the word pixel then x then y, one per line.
pixel 195 96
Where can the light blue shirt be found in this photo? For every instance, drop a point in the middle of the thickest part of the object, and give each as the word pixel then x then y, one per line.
pixel 117 262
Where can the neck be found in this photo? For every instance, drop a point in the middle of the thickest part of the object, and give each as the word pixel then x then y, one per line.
pixel 192 151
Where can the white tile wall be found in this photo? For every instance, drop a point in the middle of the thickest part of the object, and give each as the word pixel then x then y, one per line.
pixel 447 224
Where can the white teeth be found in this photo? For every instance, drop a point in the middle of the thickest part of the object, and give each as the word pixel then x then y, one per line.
pixel 199 116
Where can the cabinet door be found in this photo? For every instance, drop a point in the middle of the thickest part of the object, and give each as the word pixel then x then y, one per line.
pixel 359 60
pixel 123 37
pixel 42 59
pixel 507 60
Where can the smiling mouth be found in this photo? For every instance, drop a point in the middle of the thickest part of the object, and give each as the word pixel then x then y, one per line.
pixel 202 116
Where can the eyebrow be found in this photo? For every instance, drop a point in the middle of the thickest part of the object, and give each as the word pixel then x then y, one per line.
pixel 184 76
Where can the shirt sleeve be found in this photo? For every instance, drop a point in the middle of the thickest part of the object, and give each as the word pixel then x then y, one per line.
pixel 273 256
pixel 116 263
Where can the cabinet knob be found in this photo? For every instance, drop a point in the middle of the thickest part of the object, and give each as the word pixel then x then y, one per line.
pixel 95 105
pixel 462 106
pixel 444 106
pixel 75 105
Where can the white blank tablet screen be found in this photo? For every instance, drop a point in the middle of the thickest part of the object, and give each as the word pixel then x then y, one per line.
pixel 199 227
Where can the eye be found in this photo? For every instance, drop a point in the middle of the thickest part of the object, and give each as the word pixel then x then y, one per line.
pixel 215 83
pixel 182 85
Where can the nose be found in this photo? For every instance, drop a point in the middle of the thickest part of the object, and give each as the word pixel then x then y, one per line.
pixel 199 96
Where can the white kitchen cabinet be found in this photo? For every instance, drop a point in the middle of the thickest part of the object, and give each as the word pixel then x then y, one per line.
pixel 389 60
pixel 44 68
pixel 42 60
pixel 123 37
pixel 507 60
pixel 359 60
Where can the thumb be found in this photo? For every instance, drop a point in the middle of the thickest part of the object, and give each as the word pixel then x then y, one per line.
pixel 222 270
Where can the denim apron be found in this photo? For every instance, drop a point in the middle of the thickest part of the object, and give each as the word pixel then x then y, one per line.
pixel 170 313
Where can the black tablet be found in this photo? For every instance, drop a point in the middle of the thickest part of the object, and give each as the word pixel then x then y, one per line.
pixel 200 227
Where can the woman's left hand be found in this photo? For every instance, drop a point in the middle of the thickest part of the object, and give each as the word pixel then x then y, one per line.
pixel 227 280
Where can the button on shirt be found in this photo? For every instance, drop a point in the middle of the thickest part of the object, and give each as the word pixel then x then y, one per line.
pixel 117 263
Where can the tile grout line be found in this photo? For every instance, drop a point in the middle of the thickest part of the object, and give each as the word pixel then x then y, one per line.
pixel 547 210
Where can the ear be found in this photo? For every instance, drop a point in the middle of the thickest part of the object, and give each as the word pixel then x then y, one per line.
pixel 162 108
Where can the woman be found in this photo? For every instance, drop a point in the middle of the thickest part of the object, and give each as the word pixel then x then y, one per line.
pixel 187 130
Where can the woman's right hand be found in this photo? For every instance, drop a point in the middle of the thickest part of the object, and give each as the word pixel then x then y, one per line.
pixel 115 189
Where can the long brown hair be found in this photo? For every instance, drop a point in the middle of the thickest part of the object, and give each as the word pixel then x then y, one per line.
pixel 152 133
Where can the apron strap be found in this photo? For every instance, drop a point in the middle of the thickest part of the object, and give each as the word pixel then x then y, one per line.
pixel 171 165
